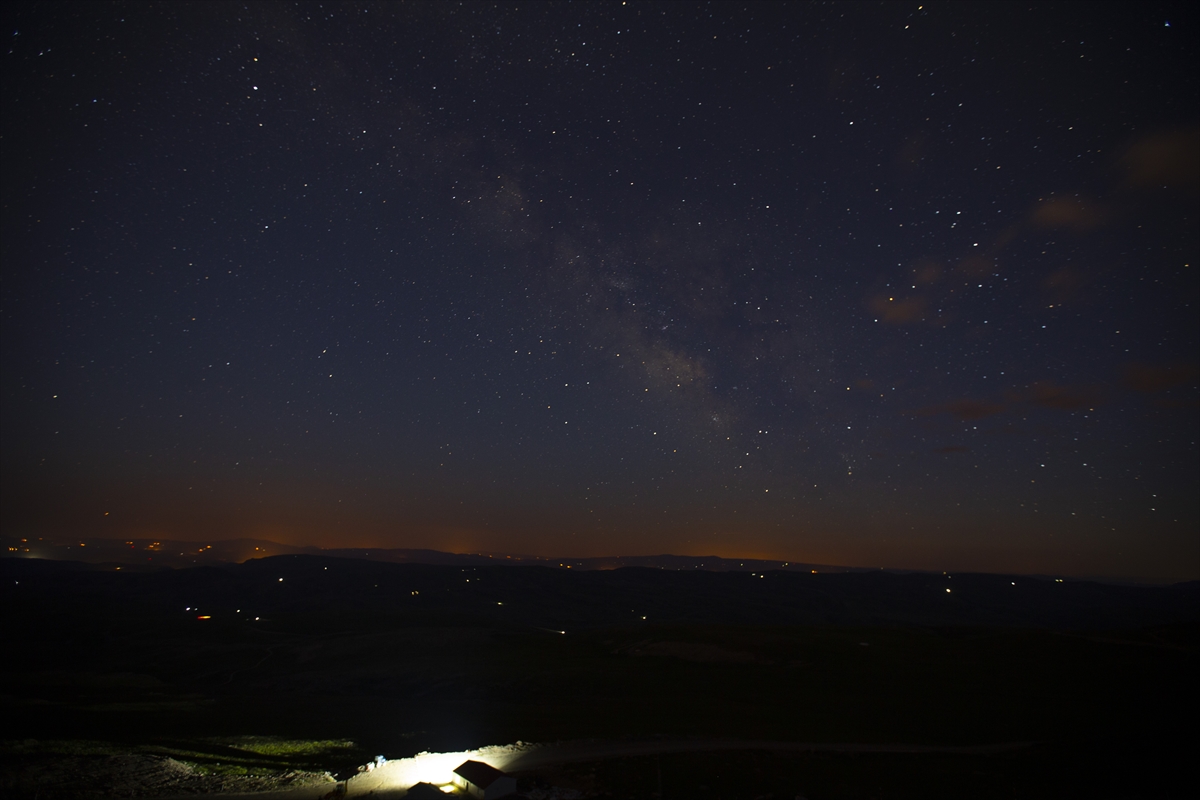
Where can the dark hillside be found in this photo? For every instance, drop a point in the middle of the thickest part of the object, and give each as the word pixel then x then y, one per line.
pixel 566 599
pixel 401 658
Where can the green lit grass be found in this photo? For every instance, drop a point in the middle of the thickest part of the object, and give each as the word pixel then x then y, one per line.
pixel 255 756
pixel 287 748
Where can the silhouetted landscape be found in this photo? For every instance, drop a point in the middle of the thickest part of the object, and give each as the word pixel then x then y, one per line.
pixel 399 658
pixel 168 553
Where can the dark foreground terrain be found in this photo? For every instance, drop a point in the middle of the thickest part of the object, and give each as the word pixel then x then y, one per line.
pixel 281 669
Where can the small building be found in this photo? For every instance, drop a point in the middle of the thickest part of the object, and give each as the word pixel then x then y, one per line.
pixel 424 791
pixel 483 780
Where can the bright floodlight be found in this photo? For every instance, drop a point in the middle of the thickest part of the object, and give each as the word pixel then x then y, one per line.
pixel 435 768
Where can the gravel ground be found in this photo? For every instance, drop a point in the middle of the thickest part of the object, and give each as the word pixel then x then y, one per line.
pixel 86 777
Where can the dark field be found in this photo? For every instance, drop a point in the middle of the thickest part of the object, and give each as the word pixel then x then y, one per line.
pixel 345 655
pixel 1039 771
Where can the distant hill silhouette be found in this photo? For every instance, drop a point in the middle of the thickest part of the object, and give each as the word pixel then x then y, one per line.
pixel 301 586
pixel 169 553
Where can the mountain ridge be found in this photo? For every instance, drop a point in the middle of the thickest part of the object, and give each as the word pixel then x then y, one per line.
pixel 146 553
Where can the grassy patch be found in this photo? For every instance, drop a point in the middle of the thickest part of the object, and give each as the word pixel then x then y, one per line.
pixel 59 747
pixel 255 756
pixel 288 748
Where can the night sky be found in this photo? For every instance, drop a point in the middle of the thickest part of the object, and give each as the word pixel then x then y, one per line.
pixel 873 284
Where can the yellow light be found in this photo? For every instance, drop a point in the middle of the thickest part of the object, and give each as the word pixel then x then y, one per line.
pixel 433 768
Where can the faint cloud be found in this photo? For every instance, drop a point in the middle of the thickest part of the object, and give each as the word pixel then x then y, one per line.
pixel 977 266
pixel 899 310
pixel 973 409
pixel 963 410
pixel 1167 158
pixel 1062 398
pixel 843 73
pixel 926 272
pixel 1150 378
pixel 1177 404
pixel 1074 213
pixel 1063 283
pixel 911 154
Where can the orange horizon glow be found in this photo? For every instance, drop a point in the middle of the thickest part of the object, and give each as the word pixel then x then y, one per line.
pixel 828 551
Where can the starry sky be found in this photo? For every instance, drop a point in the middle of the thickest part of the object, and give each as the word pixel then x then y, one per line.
pixel 878 284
